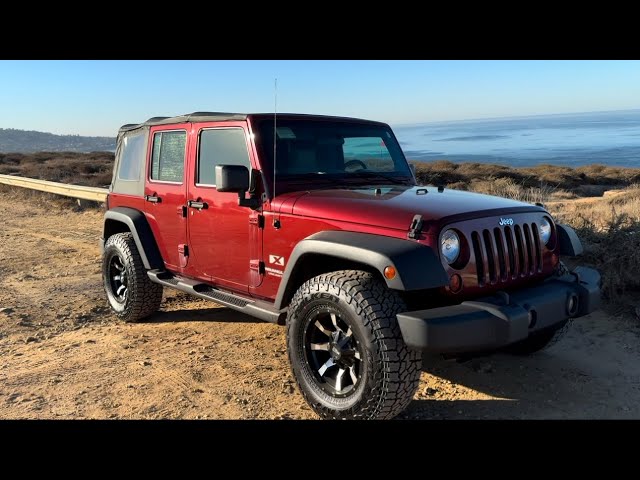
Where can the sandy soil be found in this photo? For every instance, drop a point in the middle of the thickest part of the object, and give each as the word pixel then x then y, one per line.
pixel 63 355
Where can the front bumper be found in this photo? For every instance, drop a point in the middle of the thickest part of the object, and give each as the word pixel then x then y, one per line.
pixel 500 320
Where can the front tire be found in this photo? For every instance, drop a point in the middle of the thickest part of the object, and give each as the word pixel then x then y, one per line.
pixel 132 296
pixel 346 349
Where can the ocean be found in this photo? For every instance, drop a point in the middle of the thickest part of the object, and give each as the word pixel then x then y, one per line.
pixel 610 138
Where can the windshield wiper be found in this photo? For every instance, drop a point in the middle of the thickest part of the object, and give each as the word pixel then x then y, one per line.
pixel 305 177
pixel 377 175
pixel 348 178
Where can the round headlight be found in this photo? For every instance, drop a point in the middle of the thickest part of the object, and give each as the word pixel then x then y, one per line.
pixel 545 231
pixel 450 246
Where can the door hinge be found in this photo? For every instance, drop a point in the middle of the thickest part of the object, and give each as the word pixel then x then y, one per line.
pixel 257 265
pixel 258 220
pixel 183 255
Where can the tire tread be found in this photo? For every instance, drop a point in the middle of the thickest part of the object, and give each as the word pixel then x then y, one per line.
pixel 377 306
pixel 144 295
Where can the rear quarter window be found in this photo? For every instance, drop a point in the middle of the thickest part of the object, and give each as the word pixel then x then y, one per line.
pixel 132 156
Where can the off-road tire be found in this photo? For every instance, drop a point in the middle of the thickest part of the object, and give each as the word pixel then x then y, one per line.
pixel 389 371
pixel 539 341
pixel 143 296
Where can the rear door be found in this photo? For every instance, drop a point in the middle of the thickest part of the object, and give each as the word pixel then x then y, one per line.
pixel 165 193
pixel 223 237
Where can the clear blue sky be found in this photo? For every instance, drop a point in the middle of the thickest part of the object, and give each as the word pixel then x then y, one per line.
pixel 96 97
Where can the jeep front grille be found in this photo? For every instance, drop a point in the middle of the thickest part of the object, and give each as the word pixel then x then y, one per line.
pixel 506 253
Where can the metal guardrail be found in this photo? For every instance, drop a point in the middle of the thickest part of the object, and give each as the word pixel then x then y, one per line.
pixel 76 191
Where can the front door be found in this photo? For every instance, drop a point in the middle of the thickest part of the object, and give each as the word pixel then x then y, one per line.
pixel 221 236
pixel 165 193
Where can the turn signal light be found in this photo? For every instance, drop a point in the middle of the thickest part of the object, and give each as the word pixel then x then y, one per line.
pixel 455 283
pixel 390 272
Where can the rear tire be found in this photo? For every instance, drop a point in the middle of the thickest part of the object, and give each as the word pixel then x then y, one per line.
pixel 346 349
pixel 132 296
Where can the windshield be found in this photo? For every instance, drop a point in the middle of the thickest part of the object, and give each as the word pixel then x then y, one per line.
pixel 322 154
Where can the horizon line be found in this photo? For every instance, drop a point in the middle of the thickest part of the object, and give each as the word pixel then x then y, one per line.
pixel 430 122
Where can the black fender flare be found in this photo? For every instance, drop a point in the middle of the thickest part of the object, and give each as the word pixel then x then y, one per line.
pixel 417 266
pixel 143 236
pixel 570 244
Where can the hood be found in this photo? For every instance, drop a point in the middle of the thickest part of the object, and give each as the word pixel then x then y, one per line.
pixel 395 207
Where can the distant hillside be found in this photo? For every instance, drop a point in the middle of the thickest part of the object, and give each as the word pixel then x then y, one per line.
pixel 26 141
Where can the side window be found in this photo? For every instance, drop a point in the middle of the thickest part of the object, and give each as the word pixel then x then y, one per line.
pixel 220 146
pixel 167 160
pixel 132 155
pixel 372 151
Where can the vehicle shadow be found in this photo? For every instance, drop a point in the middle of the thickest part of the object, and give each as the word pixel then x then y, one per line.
pixel 548 385
pixel 218 314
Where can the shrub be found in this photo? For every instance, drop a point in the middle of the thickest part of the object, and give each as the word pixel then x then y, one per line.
pixel 91 169
pixel 529 182
pixel 614 250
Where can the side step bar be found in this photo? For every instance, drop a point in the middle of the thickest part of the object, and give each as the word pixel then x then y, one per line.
pixel 256 308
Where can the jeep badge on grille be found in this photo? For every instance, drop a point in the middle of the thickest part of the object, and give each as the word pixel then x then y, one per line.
pixel 506 221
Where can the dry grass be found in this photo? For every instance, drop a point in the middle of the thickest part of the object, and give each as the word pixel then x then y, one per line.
pixel 508 188
pixel 531 184
pixel 49 201
pixel 90 169
pixel 610 232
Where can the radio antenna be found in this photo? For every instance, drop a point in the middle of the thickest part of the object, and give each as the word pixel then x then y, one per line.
pixel 275 115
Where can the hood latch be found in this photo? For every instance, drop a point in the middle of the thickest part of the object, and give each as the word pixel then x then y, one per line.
pixel 416 227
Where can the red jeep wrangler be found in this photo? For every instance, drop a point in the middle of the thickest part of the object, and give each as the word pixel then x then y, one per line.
pixel 317 223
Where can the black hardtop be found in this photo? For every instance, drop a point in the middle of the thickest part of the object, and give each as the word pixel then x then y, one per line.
pixel 226 116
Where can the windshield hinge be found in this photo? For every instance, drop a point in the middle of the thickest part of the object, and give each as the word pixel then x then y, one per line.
pixel 416 227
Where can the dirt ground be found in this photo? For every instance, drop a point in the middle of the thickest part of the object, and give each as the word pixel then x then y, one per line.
pixel 64 356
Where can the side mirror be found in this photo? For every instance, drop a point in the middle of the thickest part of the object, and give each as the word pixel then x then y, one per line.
pixel 232 178
pixel 235 178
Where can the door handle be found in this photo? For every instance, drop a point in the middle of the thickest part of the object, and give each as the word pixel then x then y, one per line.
pixel 197 205
pixel 152 198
